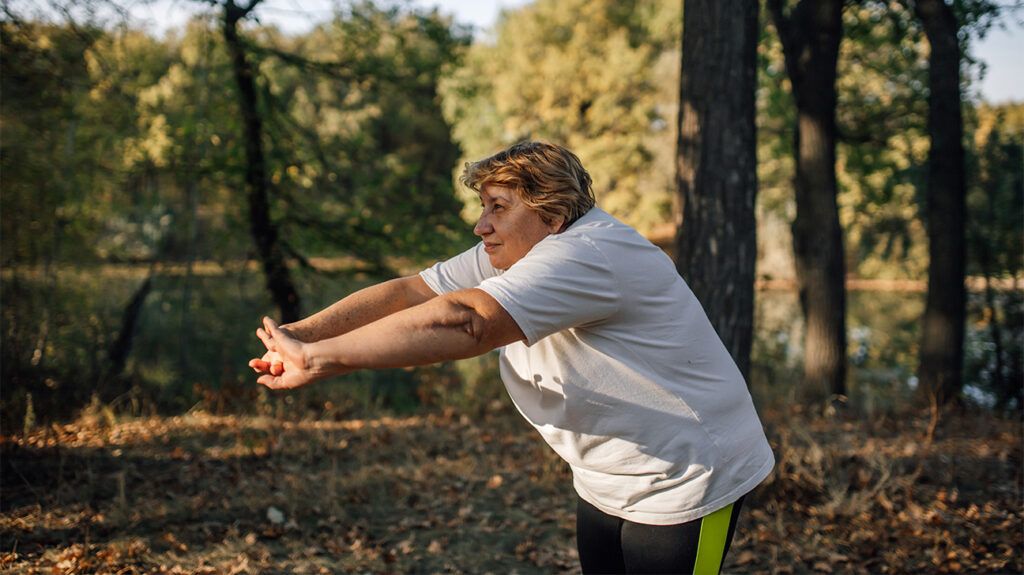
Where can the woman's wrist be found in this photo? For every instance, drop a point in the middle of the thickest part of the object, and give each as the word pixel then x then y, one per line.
pixel 322 361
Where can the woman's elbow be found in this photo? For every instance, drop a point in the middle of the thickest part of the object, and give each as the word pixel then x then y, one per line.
pixel 486 321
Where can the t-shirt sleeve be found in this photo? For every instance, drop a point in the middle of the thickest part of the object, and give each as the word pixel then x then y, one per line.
pixel 463 271
pixel 559 284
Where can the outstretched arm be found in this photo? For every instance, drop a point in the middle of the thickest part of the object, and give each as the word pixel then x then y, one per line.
pixel 356 310
pixel 362 307
pixel 461 324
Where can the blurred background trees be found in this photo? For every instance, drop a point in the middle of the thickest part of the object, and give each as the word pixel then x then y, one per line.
pixel 592 75
pixel 123 165
pixel 810 34
pixel 717 166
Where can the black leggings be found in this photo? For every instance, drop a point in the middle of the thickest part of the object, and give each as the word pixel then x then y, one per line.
pixel 608 544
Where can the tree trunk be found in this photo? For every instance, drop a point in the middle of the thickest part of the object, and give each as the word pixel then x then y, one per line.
pixel 122 346
pixel 810 40
pixel 264 232
pixel 942 335
pixel 716 166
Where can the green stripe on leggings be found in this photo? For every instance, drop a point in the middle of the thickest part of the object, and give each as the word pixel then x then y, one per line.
pixel 711 544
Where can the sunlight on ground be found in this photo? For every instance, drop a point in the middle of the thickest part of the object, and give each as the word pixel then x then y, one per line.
pixel 440 492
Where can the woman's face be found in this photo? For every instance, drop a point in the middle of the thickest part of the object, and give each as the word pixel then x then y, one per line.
pixel 508 227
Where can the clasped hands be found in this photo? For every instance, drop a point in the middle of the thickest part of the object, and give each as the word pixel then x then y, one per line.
pixel 286 364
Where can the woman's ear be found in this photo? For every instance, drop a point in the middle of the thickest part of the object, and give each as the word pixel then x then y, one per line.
pixel 556 225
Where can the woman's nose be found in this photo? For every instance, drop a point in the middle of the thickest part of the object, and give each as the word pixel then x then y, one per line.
pixel 483 226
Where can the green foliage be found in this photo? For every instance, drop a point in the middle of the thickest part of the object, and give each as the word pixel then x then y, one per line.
pixel 121 147
pixel 583 74
pixel 360 154
pixel 146 143
pixel 191 144
pixel 55 332
pixel 881 117
pixel 46 154
pixel 995 199
pixel 883 142
pixel 995 208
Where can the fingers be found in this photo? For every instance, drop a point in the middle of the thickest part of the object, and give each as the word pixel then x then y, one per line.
pixel 261 366
pixel 268 332
pixel 270 325
pixel 270 367
pixel 267 339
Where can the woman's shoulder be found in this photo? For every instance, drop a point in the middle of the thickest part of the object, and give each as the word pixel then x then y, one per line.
pixel 600 230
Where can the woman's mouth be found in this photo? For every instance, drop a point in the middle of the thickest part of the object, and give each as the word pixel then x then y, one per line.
pixel 489 248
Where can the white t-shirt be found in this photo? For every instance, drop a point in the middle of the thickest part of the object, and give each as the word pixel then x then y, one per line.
pixel 622 372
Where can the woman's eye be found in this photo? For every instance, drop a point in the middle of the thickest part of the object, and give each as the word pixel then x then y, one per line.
pixel 498 207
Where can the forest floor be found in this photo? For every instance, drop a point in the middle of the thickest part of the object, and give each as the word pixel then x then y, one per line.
pixel 443 492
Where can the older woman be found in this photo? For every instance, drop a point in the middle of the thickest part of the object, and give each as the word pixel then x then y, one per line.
pixel 604 349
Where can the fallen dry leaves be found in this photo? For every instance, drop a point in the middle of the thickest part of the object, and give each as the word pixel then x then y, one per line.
pixel 439 492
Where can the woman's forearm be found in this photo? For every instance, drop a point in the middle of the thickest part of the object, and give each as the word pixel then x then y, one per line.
pixel 462 324
pixel 361 308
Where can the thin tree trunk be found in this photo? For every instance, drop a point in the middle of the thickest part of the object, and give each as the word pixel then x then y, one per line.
pixel 264 231
pixel 942 337
pixel 122 346
pixel 716 166
pixel 810 36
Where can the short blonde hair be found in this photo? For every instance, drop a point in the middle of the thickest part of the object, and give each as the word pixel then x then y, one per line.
pixel 548 178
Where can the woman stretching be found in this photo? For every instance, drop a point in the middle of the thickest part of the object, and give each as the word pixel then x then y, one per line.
pixel 604 350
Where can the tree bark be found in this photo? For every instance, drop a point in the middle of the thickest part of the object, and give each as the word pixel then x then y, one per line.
pixel 716 166
pixel 810 36
pixel 942 327
pixel 263 229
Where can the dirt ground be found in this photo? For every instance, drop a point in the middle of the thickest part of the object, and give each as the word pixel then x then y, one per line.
pixel 442 492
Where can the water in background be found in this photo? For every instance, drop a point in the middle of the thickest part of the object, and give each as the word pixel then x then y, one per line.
pixel 883 337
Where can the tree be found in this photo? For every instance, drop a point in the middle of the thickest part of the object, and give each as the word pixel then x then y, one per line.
pixel 360 153
pixel 124 148
pixel 717 179
pixel 69 197
pixel 43 146
pixel 881 115
pixel 942 327
pixel 585 74
pixel 810 34
pixel 995 208
pixel 264 230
